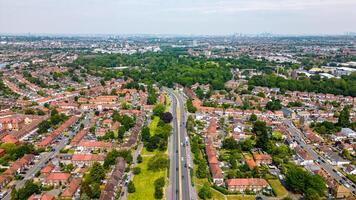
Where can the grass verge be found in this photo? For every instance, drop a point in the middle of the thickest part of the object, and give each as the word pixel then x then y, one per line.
pixel 278 188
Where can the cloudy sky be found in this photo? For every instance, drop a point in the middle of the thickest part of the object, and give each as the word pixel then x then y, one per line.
pixel 178 16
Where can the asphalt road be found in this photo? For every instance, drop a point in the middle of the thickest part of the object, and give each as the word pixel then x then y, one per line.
pixel 174 170
pixel 298 136
pixel 46 158
pixel 181 187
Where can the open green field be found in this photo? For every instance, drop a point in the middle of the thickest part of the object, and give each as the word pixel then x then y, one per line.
pixel 153 125
pixel 278 188
pixel 144 181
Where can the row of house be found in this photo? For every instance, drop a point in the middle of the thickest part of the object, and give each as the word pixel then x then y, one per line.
pixel 115 180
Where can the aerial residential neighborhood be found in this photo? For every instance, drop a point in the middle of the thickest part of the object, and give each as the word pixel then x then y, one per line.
pixel 178 100
pixel 74 127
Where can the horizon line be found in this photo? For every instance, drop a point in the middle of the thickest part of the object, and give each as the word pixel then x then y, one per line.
pixel 263 34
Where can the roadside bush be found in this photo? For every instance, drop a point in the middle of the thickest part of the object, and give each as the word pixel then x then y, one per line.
pixel 205 192
pixel 159 184
pixel 131 187
pixel 136 170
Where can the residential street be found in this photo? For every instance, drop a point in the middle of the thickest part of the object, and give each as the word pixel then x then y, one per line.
pixel 298 136
pixel 47 157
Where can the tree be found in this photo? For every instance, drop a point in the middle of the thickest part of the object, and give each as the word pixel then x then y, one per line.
pixel 95 188
pixel 274 104
pixel 201 170
pixel 110 158
pixel 158 193
pixel 262 134
pixel 166 117
pixel 230 143
pixel 261 94
pixel 190 106
pixel 159 184
pixel 26 191
pixel 121 133
pixel 96 173
pixel 295 179
pixel 158 109
pixel 205 192
pixel 246 145
pixel 346 154
pixel 139 159
pixel 344 118
pixel 311 194
pixel 253 117
pixel 301 181
pixel 131 187
pixel 102 82
pixel 145 133
pixel 136 170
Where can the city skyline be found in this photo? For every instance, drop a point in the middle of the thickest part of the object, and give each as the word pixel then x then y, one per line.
pixel 182 18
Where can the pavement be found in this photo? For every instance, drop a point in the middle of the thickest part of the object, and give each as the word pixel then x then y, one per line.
pixel 130 175
pixel 330 169
pixel 180 157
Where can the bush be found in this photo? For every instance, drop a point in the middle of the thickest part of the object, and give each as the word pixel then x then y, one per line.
pixel 158 193
pixel 205 192
pixel 131 187
pixel 136 170
pixel 159 184
pixel 166 117
pixel 139 159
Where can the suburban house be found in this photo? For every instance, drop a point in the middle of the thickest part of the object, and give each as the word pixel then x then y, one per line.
pixel 262 159
pixel 57 178
pixel 242 184
pixel 87 159
pixel 72 189
pixel 115 180
pixel 213 162
pixel 303 157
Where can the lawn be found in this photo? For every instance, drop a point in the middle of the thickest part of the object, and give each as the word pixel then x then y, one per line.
pixel 278 188
pixel 144 181
pixel 168 102
pixel 154 124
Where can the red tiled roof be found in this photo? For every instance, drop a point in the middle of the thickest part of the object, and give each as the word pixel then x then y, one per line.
pixel 262 156
pixel 72 188
pixel 94 144
pixel 47 169
pixel 250 163
pixel 58 176
pixel 88 157
pixel 10 139
pixel 247 182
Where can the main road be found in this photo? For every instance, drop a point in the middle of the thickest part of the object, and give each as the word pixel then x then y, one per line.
pixel 180 159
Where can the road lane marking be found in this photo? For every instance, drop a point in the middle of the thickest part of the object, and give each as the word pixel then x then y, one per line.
pixel 179 151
